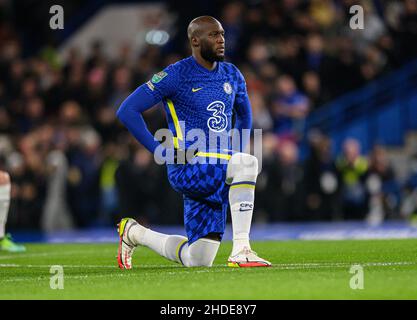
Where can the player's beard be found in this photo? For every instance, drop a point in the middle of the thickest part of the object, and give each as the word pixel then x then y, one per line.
pixel 209 54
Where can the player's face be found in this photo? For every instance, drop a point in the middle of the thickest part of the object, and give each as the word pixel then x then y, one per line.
pixel 212 44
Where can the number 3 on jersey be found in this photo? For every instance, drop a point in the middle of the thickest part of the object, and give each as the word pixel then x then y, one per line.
pixel 218 122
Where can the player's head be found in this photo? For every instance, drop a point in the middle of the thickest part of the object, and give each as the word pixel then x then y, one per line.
pixel 206 37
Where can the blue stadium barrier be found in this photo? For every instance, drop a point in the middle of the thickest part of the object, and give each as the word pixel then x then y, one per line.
pixel 411 113
pixel 259 232
pixel 381 112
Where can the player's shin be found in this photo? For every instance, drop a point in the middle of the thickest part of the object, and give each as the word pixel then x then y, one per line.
pixel 163 244
pixel 242 171
pixel 4 207
pixel 241 198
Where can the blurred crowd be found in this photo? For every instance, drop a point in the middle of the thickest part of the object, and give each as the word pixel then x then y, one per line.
pixel 74 165
pixel 322 187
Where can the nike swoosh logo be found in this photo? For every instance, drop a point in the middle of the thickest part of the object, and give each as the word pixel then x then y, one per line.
pixel 195 90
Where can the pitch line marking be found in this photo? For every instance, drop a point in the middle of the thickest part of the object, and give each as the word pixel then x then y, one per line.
pixel 218 266
pixel 117 275
pixel 46 254
pixel 287 266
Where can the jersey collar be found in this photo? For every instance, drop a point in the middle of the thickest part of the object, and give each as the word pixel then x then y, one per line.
pixel 200 67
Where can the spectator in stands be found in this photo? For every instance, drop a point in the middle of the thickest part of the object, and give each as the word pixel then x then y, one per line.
pixel 321 180
pixel 6 125
pixel 266 188
pixel 232 24
pixel 28 187
pixel 288 56
pixel 352 167
pixel 109 203
pixel 121 86
pixel 56 213
pixel 285 182
pixel 261 117
pixel 407 31
pixel 83 178
pixel 139 190
pixel 382 187
pixel 345 62
pixel 33 115
pixel 258 54
pixel 314 52
pixel 96 94
pixel 290 108
pixel 97 56
pixel 315 92
pixel 375 63
pixel 106 125
pixel 408 208
pixel 323 12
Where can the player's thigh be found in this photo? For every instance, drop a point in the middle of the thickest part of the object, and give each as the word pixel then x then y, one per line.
pixel 204 219
pixel 198 180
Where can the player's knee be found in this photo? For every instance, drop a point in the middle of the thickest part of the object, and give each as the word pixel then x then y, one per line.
pixel 213 236
pixel 202 253
pixel 243 167
pixel 200 262
pixel 4 178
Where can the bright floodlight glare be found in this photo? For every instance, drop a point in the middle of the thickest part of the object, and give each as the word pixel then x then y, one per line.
pixel 157 37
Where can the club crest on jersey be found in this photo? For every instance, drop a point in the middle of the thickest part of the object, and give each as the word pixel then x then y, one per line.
pixel 159 76
pixel 227 88
pixel 218 121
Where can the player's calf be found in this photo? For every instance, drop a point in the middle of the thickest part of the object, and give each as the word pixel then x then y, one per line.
pixel 201 253
pixel 4 201
pixel 242 172
pixel 6 242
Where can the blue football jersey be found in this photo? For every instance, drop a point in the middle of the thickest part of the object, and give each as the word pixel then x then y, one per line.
pixel 197 98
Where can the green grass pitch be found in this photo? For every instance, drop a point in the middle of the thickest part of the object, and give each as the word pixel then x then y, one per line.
pixel 301 270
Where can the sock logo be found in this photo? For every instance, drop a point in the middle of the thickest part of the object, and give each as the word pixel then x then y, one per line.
pixel 246 206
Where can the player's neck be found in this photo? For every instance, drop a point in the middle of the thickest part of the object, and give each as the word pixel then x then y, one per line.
pixel 204 63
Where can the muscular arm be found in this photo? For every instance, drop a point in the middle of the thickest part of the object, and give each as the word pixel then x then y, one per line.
pixel 146 96
pixel 130 114
pixel 243 112
pixel 243 121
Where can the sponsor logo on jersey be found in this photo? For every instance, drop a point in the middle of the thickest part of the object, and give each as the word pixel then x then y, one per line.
pixel 218 121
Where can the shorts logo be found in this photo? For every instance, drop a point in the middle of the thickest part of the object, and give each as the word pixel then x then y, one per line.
pixel 218 122
pixel 227 88
pixel 159 76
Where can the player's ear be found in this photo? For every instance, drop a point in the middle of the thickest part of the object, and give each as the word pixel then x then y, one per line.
pixel 195 42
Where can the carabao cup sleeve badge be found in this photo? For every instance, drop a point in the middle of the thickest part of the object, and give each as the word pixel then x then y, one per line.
pixel 159 76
